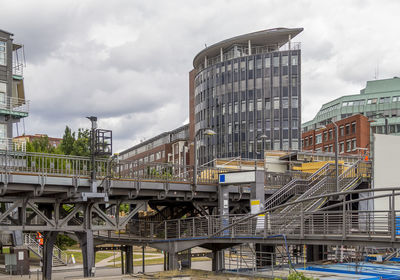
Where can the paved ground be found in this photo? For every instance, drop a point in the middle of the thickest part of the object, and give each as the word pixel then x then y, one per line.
pixel 75 271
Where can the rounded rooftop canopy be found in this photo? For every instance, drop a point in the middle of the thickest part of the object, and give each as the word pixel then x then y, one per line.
pixel 275 36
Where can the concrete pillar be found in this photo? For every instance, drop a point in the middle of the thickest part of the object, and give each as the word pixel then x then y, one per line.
pixel 129 259
pixel 257 191
pixel 218 260
pixel 265 255
pixel 186 261
pixel 86 242
pixel 49 238
pixel 173 261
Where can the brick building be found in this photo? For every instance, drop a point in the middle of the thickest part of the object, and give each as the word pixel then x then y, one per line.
pixel 19 142
pixel 167 147
pixel 354 136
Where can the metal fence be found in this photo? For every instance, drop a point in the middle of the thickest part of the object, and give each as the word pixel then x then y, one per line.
pixel 333 223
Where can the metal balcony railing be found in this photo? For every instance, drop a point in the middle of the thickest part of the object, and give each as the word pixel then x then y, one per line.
pixel 14 106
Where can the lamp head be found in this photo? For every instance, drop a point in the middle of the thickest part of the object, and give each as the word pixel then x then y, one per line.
pixel 209 132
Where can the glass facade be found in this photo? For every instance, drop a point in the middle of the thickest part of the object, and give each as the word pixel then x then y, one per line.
pixel 246 97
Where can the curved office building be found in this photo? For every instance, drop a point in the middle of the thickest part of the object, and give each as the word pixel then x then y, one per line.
pixel 247 89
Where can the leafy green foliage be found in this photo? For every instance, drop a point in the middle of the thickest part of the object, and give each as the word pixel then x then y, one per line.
pixel 77 146
pixel 70 145
pixel 67 144
pixel 64 241
pixel 40 145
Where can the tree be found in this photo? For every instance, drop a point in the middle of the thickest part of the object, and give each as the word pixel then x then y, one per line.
pixel 67 143
pixel 40 145
pixel 81 146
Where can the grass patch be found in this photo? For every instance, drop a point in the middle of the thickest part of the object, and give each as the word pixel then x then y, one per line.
pixel 78 256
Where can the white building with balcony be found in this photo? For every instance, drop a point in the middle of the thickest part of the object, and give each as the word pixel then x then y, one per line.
pixel 13 105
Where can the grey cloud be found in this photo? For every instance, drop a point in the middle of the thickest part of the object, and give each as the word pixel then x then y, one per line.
pixel 128 61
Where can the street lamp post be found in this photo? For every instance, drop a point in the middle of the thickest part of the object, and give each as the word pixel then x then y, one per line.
pixel 204 131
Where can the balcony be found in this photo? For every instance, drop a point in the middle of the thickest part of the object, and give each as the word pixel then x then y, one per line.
pixel 15 107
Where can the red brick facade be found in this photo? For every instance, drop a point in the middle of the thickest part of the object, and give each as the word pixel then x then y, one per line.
pixel 354 136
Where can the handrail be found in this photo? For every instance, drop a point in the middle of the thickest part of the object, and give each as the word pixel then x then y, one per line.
pixel 36 248
pixel 284 191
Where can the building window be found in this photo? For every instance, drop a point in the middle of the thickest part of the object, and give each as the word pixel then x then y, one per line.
pixel 318 139
pixel 396 99
pixel 325 135
pixel 251 106
pixel 341 131
pixel 243 106
pixel 347 129
pixel 276 102
pixel 259 105
pixel 330 134
pixel 353 127
pixel 354 144
pixel 348 145
pixel 384 100
pixel 372 101
pixel 341 147
pixel 3 53
pixel 311 140
pixel 236 107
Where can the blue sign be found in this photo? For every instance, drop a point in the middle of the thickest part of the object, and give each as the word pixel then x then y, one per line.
pixel 222 178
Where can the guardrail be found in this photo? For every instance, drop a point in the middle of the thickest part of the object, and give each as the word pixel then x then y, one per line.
pixel 67 165
pixel 338 224
pixel 14 105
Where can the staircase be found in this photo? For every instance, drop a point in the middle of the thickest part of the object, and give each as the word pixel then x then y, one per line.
pixel 348 180
pixel 60 258
pixel 296 187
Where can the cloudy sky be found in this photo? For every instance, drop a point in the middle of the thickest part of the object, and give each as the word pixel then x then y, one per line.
pixel 127 61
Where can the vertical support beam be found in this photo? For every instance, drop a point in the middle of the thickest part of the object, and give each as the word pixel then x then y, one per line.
pixel 223 204
pixel 392 216
pixel 48 244
pixel 143 259
pixel 173 261
pixel 221 53
pixel 129 259
pixel 302 221
pixel 218 260
pixel 249 47
pixel 122 260
pixel 344 217
pixel 86 242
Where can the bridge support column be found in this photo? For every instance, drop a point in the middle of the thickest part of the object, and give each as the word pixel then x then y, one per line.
pixel 48 244
pixel 265 255
pixel 218 260
pixel 129 259
pixel 173 263
pixel 315 253
pixel 86 242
